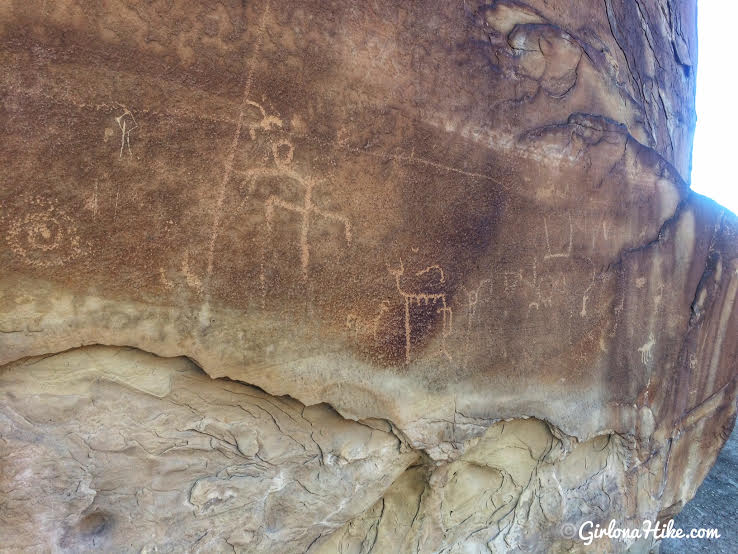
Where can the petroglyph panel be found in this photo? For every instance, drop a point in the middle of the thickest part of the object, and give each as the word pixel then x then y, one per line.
pixel 290 188
pixel 441 215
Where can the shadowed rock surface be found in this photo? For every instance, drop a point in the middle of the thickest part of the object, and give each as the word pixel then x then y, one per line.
pixel 452 245
pixel 713 507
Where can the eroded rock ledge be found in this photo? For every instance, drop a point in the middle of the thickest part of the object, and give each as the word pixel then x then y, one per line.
pixel 105 446
pixel 109 446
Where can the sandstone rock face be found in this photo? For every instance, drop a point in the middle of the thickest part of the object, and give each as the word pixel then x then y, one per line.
pixel 355 277
pixel 120 446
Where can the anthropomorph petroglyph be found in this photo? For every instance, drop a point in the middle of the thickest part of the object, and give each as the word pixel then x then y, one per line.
pixel 307 210
pixel 424 298
pixel 254 118
pixel 127 123
pixel 282 154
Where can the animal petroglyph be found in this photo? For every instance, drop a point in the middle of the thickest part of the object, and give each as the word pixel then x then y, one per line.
pixel 126 123
pixel 370 327
pixel 264 121
pixel 163 278
pixel 424 298
pixel 92 204
pixel 647 350
pixel 585 299
pixel 586 294
pixel 44 236
pixel 532 286
pixel 658 297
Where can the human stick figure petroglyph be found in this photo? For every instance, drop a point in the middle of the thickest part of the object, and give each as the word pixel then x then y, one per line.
pixel 424 298
pixel 306 210
pixel 127 123
pixel 282 153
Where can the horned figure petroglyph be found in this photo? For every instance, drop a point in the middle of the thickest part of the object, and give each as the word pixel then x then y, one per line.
pixel 424 298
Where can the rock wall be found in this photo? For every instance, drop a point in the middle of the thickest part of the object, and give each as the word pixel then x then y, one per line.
pixel 452 244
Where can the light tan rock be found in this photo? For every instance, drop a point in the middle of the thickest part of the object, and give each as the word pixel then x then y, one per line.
pixel 108 448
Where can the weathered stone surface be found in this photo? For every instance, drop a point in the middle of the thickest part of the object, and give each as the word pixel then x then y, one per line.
pixel 107 447
pixel 466 227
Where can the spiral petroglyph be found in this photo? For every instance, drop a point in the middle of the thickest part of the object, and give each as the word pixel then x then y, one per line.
pixel 45 236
